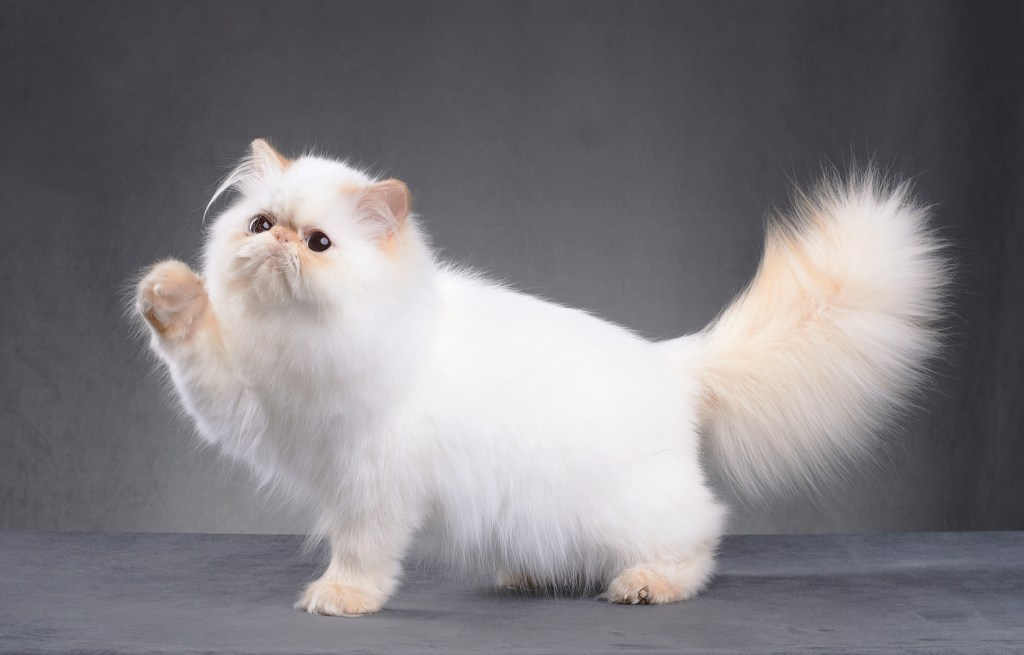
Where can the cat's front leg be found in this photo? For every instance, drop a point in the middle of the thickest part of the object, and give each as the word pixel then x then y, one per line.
pixel 172 299
pixel 363 573
pixel 186 335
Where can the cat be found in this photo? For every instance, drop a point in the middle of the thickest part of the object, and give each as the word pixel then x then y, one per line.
pixel 327 347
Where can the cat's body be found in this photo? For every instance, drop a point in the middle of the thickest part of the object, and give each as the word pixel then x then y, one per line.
pixel 405 400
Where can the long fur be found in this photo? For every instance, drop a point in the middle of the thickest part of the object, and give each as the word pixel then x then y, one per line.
pixel 407 401
pixel 830 340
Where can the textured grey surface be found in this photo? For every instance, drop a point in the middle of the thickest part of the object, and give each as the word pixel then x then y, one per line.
pixel 616 156
pixel 926 592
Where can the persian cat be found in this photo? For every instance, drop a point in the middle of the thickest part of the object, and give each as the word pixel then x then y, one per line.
pixel 326 346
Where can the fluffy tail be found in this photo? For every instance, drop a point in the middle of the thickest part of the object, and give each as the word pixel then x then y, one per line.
pixel 829 341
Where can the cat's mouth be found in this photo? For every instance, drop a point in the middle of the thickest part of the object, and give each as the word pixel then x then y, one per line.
pixel 268 267
pixel 255 254
pixel 282 261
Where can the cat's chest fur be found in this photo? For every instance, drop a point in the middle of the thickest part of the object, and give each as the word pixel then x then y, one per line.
pixel 320 400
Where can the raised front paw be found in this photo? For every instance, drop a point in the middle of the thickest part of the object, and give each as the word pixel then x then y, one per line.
pixel 338 599
pixel 171 297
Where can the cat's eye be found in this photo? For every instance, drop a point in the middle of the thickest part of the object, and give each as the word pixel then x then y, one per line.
pixel 261 223
pixel 318 241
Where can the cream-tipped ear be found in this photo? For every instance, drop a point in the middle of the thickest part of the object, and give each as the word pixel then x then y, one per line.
pixel 266 159
pixel 387 203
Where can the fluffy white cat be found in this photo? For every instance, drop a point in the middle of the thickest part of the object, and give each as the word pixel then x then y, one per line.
pixel 327 347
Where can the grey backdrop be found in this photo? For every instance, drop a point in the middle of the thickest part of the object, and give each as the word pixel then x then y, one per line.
pixel 614 156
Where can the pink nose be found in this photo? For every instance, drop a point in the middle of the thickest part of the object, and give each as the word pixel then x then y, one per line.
pixel 281 234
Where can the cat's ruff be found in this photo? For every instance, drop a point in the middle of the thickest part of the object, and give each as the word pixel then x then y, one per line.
pixel 415 404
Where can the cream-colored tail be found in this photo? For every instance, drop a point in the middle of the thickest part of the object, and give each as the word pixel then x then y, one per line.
pixel 829 341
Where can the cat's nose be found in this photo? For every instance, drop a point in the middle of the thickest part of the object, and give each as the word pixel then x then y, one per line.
pixel 280 233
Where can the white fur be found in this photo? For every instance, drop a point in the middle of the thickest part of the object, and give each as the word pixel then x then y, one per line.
pixel 404 399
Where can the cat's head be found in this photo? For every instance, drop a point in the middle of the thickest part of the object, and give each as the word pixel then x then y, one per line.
pixel 311 233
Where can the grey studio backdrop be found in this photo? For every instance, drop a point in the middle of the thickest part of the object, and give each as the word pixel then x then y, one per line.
pixel 614 156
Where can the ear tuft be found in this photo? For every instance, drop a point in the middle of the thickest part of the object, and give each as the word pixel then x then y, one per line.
pixel 265 159
pixel 387 203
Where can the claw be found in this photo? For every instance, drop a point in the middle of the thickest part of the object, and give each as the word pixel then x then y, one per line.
pixel 643 596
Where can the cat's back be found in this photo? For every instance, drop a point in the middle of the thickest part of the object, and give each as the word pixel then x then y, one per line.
pixel 479 313
pixel 540 357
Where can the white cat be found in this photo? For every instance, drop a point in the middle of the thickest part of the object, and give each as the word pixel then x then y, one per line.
pixel 325 346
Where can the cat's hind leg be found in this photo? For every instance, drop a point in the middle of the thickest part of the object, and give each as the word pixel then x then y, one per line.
pixel 657 583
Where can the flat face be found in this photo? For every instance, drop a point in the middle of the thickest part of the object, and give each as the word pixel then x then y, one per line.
pixel 308 233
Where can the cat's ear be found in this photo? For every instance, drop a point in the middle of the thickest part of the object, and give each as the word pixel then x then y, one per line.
pixel 386 204
pixel 265 159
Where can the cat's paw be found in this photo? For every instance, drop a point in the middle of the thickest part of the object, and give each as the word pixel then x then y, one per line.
pixel 171 297
pixel 663 582
pixel 517 581
pixel 338 599
pixel 649 585
pixel 638 588
pixel 527 583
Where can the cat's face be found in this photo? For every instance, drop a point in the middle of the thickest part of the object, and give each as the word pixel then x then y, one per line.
pixel 312 232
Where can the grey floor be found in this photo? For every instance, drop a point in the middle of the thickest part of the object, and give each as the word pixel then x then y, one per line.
pixel 174 593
